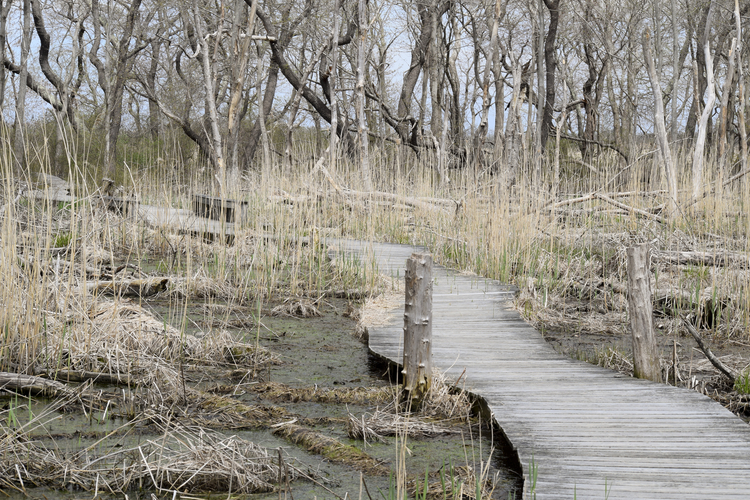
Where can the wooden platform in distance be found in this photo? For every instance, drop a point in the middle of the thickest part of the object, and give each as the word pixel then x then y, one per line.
pixel 185 221
pixel 592 433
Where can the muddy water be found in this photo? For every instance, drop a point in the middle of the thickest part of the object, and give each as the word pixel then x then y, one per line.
pixel 317 351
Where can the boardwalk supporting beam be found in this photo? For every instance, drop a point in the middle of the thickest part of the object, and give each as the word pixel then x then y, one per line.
pixel 645 356
pixel 417 368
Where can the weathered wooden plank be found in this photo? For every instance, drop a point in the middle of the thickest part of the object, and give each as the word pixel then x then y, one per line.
pixel 582 425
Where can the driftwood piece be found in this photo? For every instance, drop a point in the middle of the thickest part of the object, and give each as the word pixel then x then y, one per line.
pixel 645 357
pixel 134 288
pixel 19 382
pixel 724 369
pixel 417 370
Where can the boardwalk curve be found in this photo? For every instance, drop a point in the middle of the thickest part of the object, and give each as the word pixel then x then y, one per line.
pixel 592 433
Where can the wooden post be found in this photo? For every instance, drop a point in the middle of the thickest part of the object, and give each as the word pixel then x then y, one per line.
pixel 417 371
pixel 645 357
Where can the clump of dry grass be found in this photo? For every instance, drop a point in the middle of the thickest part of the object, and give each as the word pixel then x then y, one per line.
pixel 296 309
pixel 443 408
pixel 373 426
pixel 184 458
pixel 194 459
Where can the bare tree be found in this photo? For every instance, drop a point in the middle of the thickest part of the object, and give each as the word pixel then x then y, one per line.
pixel 700 141
pixel 19 146
pixel 4 11
pixel 362 132
pixel 659 125
pixel 550 63
pixel 113 73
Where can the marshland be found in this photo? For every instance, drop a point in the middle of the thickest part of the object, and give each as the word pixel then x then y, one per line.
pixel 527 142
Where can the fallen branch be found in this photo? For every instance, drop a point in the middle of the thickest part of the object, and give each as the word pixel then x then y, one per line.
pixel 724 369
pixel 347 194
pixel 637 211
pixel 608 199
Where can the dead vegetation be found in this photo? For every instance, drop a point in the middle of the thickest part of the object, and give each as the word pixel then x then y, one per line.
pixel 578 295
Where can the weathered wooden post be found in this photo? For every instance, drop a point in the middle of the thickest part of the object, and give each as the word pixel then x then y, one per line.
pixel 417 371
pixel 645 356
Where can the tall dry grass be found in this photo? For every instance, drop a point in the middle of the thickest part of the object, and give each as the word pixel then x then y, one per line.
pixel 469 221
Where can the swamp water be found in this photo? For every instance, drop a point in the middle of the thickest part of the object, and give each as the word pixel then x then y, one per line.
pixel 315 352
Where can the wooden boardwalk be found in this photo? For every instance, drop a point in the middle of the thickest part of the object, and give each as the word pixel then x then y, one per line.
pixel 592 433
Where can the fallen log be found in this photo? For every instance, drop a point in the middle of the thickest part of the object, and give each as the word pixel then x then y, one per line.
pixel 84 376
pixel 134 288
pixel 30 384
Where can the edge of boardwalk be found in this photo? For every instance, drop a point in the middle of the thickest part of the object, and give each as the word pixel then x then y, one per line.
pixel 592 433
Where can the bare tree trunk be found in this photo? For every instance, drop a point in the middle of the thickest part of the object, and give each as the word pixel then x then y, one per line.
pixel 239 75
pixel 550 63
pixel 362 129
pixel 4 10
pixel 308 69
pixel 724 109
pixel 700 141
pixel 540 77
pixel 333 71
pixel 675 71
pixel 112 76
pixel 703 32
pixel 661 129
pixel 560 126
pixel 499 105
pixel 494 49
pixel 266 167
pixel 19 143
pixel 512 133
pixel 741 81
pixel 217 148
pixel 153 107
